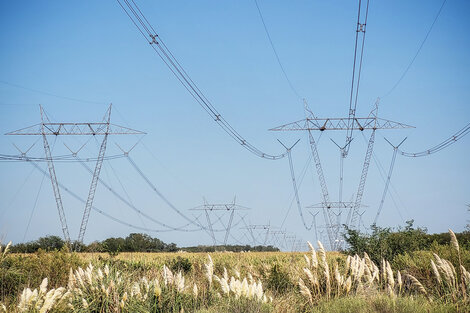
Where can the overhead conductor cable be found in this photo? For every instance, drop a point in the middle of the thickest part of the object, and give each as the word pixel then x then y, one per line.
pixel 157 44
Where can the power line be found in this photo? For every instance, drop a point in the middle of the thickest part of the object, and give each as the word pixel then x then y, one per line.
pixel 275 53
pixel 34 206
pixel 73 194
pixel 449 141
pixel 355 82
pixel 49 94
pixel 418 51
pixel 157 44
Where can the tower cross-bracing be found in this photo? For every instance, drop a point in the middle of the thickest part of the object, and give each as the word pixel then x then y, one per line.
pixel 214 208
pixel 311 123
pixel 47 128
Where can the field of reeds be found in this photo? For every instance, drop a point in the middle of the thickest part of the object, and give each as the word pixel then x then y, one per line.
pixel 314 281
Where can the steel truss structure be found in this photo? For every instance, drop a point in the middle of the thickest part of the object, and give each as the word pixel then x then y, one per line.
pixel 47 128
pixel 213 208
pixel 312 123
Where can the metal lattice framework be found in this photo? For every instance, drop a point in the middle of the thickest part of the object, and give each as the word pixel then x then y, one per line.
pixel 312 123
pixel 47 128
pixel 322 124
pixel 212 208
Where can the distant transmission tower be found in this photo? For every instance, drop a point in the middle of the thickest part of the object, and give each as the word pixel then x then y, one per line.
pixel 215 209
pixel 47 128
pixel 312 123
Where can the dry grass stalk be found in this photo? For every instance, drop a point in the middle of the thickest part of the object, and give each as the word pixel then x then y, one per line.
pixel 314 255
pixel 436 272
pixel 399 281
pixel 415 283
pixel 305 291
pixel 453 241
pixel 390 278
pixel 326 269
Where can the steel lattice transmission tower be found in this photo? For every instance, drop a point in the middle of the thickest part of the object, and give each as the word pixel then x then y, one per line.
pixel 312 123
pixel 209 208
pixel 47 128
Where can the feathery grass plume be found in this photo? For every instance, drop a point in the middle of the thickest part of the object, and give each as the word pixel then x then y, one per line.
pixel 314 255
pixel 250 278
pixel 441 266
pixel 337 278
pixel 6 249
pixel 157 290
pixel 368 274
pixel 224 285
pixel 51 297
pixel 209 270
pixel 305 291
pixel 453 241
pixel 245 289
pixel 309 274
pixel 195 290
pixel 43 286
pixel 348 284
pixel 307 260
pixel 415 283
pixel 436 272
pixel 167 276
pixel 384 272
pixel 179 282
pixel 326 269
pixel 348 264
pixel 367 259
pixel 361 265
pixel 451 270
pixel 399 281
pixel 391 280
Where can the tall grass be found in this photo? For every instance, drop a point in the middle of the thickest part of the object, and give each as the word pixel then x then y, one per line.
pixel 235 282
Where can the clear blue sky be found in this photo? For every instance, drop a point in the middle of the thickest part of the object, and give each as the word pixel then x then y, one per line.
pixel 90 50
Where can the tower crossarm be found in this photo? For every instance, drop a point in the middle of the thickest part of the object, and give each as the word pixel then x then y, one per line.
pixel 219 207
pixel 341 123
pixel 75 129
pixel 334 205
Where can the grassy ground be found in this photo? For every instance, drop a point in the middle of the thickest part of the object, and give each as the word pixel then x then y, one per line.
pixel 313 281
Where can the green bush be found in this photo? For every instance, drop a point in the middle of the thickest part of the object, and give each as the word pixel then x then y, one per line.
pixel 18 271
pixel 278 280
pixel 181 264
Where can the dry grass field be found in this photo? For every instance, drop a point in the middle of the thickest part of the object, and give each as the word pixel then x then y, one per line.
pixel 314 281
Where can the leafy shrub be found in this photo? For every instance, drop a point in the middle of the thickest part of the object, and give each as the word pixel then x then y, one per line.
pixel 278 280
pixel 18 271
pixel 181 264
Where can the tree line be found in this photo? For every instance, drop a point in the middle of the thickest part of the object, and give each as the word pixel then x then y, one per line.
pixel 386 243
pixel 134 242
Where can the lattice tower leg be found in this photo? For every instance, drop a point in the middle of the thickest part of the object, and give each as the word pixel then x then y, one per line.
pixel 228 227
pixel 354 213
pixel 55 187
pixel 91 193
pixel 328 215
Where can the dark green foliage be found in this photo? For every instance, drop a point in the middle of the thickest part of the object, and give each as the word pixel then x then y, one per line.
pixel 132 243
pixel 18 270
pixel 181 264
pixel 232 248
pixel 48 243
pixel 278 280
pixel 386 243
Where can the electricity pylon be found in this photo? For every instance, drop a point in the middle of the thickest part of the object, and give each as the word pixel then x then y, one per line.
pixel 212 208
pixel 47 128
pixel 312 123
